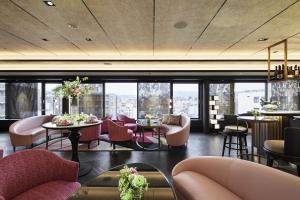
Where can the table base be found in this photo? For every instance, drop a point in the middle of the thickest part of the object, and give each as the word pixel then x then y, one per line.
pixel 84 169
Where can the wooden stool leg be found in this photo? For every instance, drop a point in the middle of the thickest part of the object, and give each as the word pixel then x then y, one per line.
pixel 224 144
pixel 245 141
pixel 241 147
pixel 230 139
pixel 269 160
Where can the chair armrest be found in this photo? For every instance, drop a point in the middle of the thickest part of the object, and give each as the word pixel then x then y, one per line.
pixel 67 170
pixel 120 123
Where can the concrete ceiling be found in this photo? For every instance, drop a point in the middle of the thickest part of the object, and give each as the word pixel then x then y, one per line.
pixel 135 29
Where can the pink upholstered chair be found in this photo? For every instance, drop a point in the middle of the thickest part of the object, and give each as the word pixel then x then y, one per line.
pixel 203 178
pixel 118 133
pixel 129 122
pixel 90 134
pixel 105 122
pixel 37 174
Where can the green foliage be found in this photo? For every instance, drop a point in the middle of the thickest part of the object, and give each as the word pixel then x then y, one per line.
pixel 73 88
pixel 131 184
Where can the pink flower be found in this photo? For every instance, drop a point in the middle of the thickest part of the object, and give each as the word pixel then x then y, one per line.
pixel 133 170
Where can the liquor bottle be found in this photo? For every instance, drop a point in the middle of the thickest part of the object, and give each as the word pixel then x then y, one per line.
pixel 279 75
pixel 290 72
pixel 296 71
pixel 275 73
pixel 282 72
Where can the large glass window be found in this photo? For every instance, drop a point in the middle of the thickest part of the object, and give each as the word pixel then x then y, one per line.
pixel 22 100
pixel 2 100
pixel 223 91
pixel 154 99
pixel 247 96
pixel 53 104
pixel 92 103
pixel 121 98
pixel 185 99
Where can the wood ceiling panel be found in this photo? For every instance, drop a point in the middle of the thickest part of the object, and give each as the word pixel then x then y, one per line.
pixel 281 27
pixel 72 12
pixel 14 20
pixel 129 23
pixel 234 21
pixel 197 14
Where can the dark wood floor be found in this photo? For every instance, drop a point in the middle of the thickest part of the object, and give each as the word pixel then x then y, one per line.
pixel 199 145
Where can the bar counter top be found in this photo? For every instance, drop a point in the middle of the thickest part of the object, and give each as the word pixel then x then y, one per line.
pixel 281 113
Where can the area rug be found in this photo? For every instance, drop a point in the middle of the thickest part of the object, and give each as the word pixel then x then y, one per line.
pixel 150 142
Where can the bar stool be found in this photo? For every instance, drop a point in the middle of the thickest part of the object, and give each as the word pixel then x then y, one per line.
pixel 235 129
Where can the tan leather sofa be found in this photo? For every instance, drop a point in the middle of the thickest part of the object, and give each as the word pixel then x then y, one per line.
pixel 215 178
pixel 178 135
pixel 27 131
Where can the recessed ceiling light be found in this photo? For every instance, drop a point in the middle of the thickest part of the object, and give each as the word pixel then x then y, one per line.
pixel 45 39
pixel 275 51
pixel 73 26
pixel 49 3
pixel 262 39
pixel 180 25
pixel 107 63
pixel 88 39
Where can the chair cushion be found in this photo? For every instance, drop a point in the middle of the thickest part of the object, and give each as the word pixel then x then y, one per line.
pixel 234 128
pixel 174 120
pixel 173 129
pixel 195 186
pixel 58 190
pixel 276 146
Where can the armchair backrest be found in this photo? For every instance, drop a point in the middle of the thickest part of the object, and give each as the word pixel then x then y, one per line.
pixel 291 141
pixel 117 132
pixel 125 118
pixel 231 120
pixel 90 133
pixel 26 169
pixel 105 122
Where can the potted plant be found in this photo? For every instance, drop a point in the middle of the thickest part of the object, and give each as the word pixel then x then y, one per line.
pixel 132 185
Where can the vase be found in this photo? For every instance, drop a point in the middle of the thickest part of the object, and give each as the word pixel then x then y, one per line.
pixel 74 106
pixel 148 121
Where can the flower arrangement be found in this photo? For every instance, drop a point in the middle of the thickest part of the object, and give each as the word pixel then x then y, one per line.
pixel 148 116
pixel 66 119
pixel 131 184
pixel 73 89
pixel 255 112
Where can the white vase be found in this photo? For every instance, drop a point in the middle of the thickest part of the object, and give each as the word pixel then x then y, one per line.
pixel 73 106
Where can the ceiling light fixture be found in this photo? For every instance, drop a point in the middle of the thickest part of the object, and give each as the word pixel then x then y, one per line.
pixel 88 39
pixel 49 3
pixel 107 63
pixel 45 39
pixel 180 25
pixel 73 26
pixel 275 51
pixel 262 39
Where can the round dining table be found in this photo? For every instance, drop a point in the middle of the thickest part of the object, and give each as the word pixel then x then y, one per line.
pixel 74 137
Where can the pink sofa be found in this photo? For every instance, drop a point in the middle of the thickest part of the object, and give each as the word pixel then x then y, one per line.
pixel 214 178
pixel 27 131
pixel 37 174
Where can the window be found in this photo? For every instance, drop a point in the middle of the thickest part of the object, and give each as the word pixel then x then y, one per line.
pixel 185 99
pixel 22 100
pixel 154 99
pixel 225 100
pixel 92 103
pixel 2 100
pixel 247 96
pixel 121 98
pixel 53 104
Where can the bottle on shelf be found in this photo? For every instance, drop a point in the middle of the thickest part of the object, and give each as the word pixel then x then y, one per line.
pixel 291 72
pixel 279 75
pixel 275 73
pixel 296 71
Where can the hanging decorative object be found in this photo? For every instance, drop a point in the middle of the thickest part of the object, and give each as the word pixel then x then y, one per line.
pixel 73 90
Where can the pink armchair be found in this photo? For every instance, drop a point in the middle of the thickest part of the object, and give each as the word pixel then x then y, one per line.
pixel 90 134
pixel 105 122
pixel 37 174
pixel 128 122
pixel 118 133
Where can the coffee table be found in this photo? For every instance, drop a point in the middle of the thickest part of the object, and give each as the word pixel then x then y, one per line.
pixel 145 124
pixel 105 186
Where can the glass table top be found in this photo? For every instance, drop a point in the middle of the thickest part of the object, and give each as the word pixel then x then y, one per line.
pixel 105 186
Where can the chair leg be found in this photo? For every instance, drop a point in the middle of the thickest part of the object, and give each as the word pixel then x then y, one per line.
pixel 14 148
pixel 98 141
pixel 89 145
pixel 224 144
pixel 269 160
pixel 241 147
pixel 230 139
pixel 298 169
pixel 245 141
pixel 31 146
pixel 114 146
